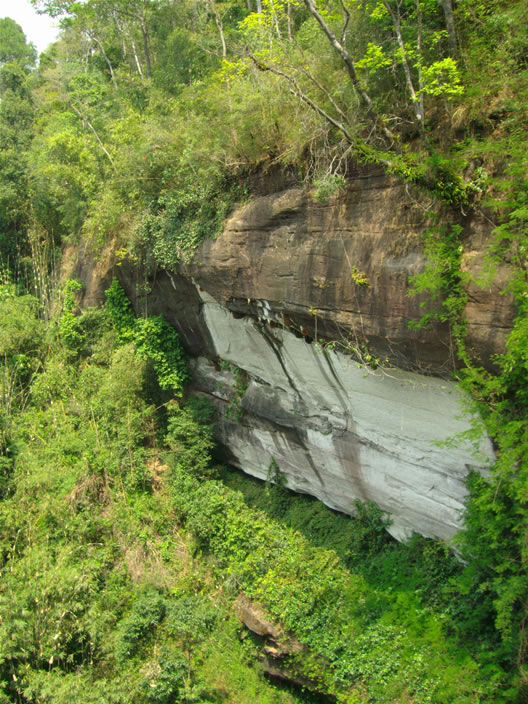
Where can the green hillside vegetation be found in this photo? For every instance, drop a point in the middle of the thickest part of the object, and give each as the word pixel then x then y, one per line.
pixel 123 548
pixel 123 551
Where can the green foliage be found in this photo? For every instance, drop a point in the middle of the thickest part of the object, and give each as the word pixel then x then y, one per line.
pixel 494 583
pixel 190 440
pixel 356 540
pixel 275 476
pixel 370 531
pixel 71 287
pixel 191 618
pixel 103 592
pixel 21 342
pixel 185 217
pixel 495 538
pixel 147 611
pixel 276 493
pixel 169 684
pixel 240 384
pixel 357 632
pixel 120 311
pixel 159 342
pixel 70 329
pixel 442 282
pixel 14 46
pixel 155 340
pixel 16 117
pixel 100 597
pixel 328 186
pixel 21 331
pixel 140 128
pixel 442 78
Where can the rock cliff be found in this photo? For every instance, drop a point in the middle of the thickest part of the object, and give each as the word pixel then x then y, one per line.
pixel 280 310
pixel 340 270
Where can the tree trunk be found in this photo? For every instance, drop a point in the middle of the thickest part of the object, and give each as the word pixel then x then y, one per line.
pixel 419 49
pixel 220 28
pixel 105 56
pixel 351 69
pixel 136 57
pixel 447 7
pixel 146 50
pixel 417 103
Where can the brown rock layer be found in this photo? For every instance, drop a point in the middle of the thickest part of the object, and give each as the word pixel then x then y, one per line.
pixel 341 271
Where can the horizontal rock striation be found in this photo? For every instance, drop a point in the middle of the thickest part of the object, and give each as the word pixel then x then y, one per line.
pixel 341 271
pixel 295 292
pixel 339 431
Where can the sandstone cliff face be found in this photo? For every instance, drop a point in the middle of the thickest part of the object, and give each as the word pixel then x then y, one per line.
pixel 288 272
pixel 341 271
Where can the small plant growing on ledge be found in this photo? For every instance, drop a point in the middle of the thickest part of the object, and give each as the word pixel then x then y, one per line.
pixel 241 382
pixel 327 186
pixel 359 278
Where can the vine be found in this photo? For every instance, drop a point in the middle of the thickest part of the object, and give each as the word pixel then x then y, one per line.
pixel 69 325
pixel 241 382
pixel 495 539
pixel 174 227
pixel 443 283
pixel 155 340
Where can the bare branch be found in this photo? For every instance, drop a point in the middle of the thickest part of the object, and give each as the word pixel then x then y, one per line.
pixel 351 70
pixel 99 141
pixel 358 144
pixel 327 94
pixel 306 69
pixel 345 25
pixel 296 90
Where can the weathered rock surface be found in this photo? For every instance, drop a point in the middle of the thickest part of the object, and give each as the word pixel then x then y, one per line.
pixel 279 650
pixel 341 271
pixel 288 270
pixel 254 617
pixel 342 432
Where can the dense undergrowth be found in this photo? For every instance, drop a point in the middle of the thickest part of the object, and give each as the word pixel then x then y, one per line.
pixel 102 596
pixel 123 550
pixel 141 129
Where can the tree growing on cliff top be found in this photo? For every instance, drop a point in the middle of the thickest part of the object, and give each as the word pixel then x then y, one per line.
pixel 17 57
pixel 381 49
pixel 130 19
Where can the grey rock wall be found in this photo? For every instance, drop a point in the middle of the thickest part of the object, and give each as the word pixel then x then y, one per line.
pixel 288 267
pixel 339 431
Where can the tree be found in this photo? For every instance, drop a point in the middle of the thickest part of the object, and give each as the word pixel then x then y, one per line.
pixel 16 117
pixel 128 16
pixel 374 73
pixel 447 8
pixel 13 44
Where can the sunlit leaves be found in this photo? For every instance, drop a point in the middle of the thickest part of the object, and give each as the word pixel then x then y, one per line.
pixel 374 59
pixel 442 78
